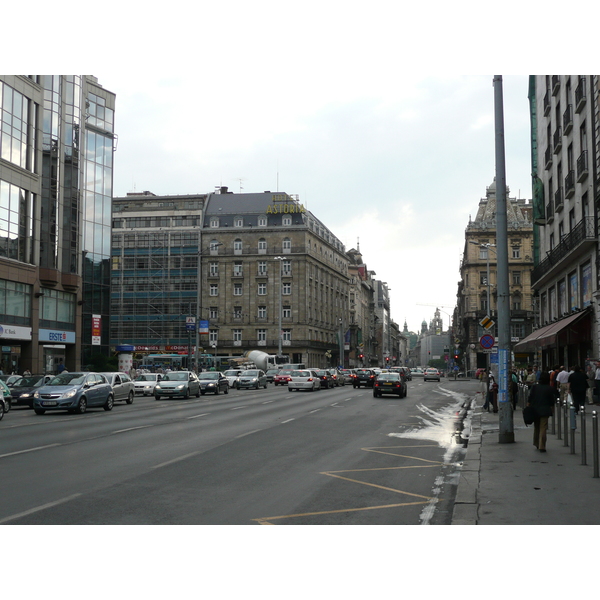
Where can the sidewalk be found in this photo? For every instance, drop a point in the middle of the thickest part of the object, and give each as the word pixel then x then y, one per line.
pixel 515 484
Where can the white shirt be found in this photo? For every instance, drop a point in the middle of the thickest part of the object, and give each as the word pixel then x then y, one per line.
pixel 562 377
pixel 598 373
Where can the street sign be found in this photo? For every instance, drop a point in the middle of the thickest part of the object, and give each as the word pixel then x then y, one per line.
pixel 190 323
pixel 486 322
pixel 487 340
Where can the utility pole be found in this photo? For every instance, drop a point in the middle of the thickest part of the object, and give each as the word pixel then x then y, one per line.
pixel 506 429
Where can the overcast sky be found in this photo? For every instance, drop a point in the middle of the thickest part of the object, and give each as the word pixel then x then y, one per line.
pixel 379 117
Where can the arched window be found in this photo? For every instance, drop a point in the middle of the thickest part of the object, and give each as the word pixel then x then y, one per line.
pixel 237 246
pixel 287 245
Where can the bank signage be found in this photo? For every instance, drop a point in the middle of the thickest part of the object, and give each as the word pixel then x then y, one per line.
pixel 12 332
pixel 57 337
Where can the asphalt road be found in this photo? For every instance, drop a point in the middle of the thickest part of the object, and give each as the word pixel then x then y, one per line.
pixel 337 456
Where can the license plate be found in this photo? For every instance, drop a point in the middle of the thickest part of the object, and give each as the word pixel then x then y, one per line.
pixel 49 403
pixel 388 383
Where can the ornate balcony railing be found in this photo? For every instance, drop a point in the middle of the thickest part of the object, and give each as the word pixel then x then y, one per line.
pixel 582 166
pixel 570 184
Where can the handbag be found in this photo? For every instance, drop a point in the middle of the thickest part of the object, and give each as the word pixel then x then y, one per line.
pixel 529 415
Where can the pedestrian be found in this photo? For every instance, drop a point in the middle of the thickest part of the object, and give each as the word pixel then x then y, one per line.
pixel 562 379
pixel 541 398
pixel 578 387
pixel 514 389
pixel 597 383
pixel 491 398
pixel 590 373
pixel 530 380
pixel 553 373
pixel 26 373
pixel 60 367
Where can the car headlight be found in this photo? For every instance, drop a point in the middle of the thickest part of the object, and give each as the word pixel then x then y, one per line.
pixel 210 385
pixel 69 394
pixel 180 387
pixel 26 395
pixel 36 394
pixel 157 386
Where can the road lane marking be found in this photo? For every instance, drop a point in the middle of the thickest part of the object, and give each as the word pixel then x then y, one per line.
pixel 237 437
pixel 238 407
pixel 198 416
pixel 268 402
pixel 282 422
pixel 314 411
pixel 29 450
pixel 180 458
pixel 38 508
pixel 132 428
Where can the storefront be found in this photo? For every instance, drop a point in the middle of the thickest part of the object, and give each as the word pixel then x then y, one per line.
pixel 54 347
pixel 12 338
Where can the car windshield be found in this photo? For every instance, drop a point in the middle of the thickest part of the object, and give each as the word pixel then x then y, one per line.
pixel 250 373
pixel 209 375
pixel 285 372
pixel 389 377
pixel 301 374
pixel 146 378
pixel 231 373
pixel 175 376
pixel 323 373
pixel 32 381
pixel 68 379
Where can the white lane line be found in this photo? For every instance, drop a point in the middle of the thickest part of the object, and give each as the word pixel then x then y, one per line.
pixel 238 407
pixel 268 402
pixel 180 458
pixel 282 422
pixel 198 416
pixel 237 437
pixel 132 428
pixel 314 411
pixel 29 450
pixel 38 508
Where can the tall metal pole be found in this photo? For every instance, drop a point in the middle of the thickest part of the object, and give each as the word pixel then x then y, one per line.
pixel 506 430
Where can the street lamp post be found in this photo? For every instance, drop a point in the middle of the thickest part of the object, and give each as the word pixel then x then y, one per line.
pixel 280 258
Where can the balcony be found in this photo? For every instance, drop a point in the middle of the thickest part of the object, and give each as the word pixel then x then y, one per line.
pixel 578 242
pixel 555 84
pixel 580 96
pixel 582 166
pixel 570 184
pixel 557 140
pixel 550 211
pixel 547 104
pixel 558 200
pixel 568 119
pixel 548 157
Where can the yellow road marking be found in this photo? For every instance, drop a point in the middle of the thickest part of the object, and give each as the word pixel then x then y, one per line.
pixel 381 487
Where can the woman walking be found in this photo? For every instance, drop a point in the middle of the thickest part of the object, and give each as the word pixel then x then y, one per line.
pixel 542 398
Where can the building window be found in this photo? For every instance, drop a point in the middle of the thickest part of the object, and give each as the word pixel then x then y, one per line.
pixel 286 335
pixel 238 269
pixel 287 221
pixel 287 312
pixel 516 252
pixel 237 312
pixel 262 221
pixel 261 335
pixel 237 335
pixel 516 277
pixel 237 246
pixel 214 247
pixel 262 312
pixel 287 245
pixel 287 267
pixel 214 289
pixel 483 278
pixel 238 222
pixel 483 252
pixel 484 304
pixel 213 312
pixel 237 289
pixel 262 245
pixel 517 304
pixel 517 330
pixel 214 269
pixel 287 289
pixel 262 289
pixel 213 336
pixel 262 267
pixel 214 222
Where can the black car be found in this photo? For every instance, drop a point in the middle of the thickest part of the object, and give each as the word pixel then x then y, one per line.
pixel 23 388
pixel 326 379
pixel 390 383
pixel 213 381
pixel 364 377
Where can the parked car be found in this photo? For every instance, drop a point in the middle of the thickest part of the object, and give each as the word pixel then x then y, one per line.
pixel 326 378
pixel 233 377
pixel 9 379
pixel 283 377
pixel 253 378
pixel 304 380
pixel 390 383
pixel 407 373
pixel 363 377
pixel 178 383
pixel 346 375
pixel 74 392
pixel 213 381
pixel 122 385
pixel 23 388
pixel 144 384
pixel 431 375
pixel 338 379
pixel 270 373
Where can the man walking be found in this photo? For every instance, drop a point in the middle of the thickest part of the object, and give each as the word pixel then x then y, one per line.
pixel 563 384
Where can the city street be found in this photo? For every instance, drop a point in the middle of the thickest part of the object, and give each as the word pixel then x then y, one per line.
pixel 337 456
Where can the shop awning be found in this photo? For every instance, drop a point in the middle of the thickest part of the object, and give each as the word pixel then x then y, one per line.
pixel 547 336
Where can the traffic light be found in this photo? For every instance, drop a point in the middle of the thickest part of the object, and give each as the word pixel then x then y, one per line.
pixel 455 356
pixel 361 356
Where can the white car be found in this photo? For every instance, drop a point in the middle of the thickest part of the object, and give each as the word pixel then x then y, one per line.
pixel 144 384
pixel 304 379
pixel 233 377
pixel 123 387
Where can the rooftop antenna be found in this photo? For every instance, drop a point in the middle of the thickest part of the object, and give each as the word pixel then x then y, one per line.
pixel 358 244
pixel 240 179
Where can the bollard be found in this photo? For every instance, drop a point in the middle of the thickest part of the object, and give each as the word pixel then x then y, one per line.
pixel 554 413
pixel 583 436
pixel 595 441
pixel 573 423
pixel 566 423
pixel 557 418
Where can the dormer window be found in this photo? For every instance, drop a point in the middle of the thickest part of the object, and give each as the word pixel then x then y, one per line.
pixel 286 221
pixel 262 221
pixel 214 222
pixel 238 222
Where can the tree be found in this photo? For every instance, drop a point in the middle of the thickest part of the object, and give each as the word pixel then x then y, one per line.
pixel 437 363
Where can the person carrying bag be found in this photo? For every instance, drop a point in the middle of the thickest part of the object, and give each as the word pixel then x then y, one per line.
pixel 542 397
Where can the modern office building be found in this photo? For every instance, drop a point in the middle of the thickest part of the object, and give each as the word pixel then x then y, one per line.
pixel 56 163
pixel 258 270
pixel 477 290
pixel 565 143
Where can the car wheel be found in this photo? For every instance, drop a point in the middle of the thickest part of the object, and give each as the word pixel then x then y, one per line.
pixel 198 393
pixel 82 406
pixel 130 398
pixel 157 397
pixel 289 389
pixel 39 411
pixel 110 402
pixel 1 410
pixel 226 390
pixel 217 391
pixel 8 404
pixel 187 394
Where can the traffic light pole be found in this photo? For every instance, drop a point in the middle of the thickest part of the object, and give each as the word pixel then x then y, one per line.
pixel 506 430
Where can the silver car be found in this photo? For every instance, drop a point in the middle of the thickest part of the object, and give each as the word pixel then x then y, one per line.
pixel 304 380
pixel 144 384
pixel 253 378
pixel 123 387
pixel 233 377
pixel 178 383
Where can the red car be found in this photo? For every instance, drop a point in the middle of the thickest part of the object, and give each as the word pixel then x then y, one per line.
pixel 282 377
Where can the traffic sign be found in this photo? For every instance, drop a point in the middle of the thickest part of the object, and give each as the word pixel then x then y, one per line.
pixel 487 340
pixel 487 322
